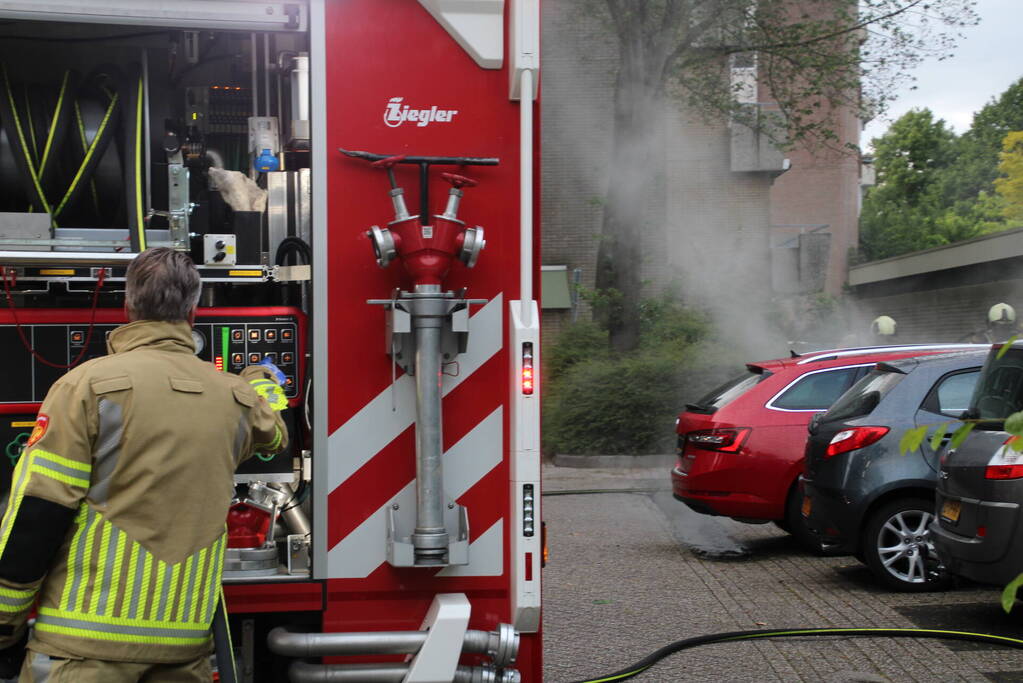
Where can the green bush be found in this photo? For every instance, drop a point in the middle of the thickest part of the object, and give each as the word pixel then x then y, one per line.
pixel 581 341
pixel 601 402
pixel 620 406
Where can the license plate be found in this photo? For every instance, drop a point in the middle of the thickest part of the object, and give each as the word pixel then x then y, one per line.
pixel 807 506
pixel 950 510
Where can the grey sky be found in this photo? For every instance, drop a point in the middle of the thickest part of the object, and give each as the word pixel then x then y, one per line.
pixel 986 62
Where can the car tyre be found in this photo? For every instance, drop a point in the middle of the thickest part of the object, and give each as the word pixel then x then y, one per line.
pixel 897 549
pixel 795 523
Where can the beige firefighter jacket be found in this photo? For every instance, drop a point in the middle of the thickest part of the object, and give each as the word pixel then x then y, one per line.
pixel 143 445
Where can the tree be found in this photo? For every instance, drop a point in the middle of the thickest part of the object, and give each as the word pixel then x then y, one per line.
pixel 901 212
pixel 979 147
pixel 814 57
pixel 1010 185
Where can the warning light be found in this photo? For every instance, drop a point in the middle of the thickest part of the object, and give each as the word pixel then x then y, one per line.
pixel 218 362
pixel 527 368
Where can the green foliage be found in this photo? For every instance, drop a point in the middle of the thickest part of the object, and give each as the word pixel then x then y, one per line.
pixel 904 211
pixel 912 439
pixel 579 342
pixel 934 188
pixel 624 406
pixel 1010 185
pixel 603 402
pixel 938 435
pixel 1009 594
pixel 977 150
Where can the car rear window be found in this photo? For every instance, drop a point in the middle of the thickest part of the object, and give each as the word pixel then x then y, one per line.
pixel 864 396
pixel 816 390
pixel 999 391
pixel 729 391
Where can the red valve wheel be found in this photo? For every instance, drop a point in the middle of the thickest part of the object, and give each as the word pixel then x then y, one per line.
pixel 459 180
pixel 389 162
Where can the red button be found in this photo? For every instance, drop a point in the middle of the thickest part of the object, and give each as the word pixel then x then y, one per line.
pixel 254 358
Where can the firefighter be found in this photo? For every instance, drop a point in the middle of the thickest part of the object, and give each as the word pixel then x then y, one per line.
pixel 115 526
pixel 882 329
pixel 1001 323
pixel 1001 326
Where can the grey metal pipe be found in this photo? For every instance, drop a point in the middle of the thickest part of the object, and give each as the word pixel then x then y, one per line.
pixel 501 645
pixel 304 672
pixel 294 516
pixel 430 538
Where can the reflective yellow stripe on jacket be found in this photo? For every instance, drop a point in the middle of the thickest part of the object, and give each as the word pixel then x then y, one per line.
pixel 116 590
pixel 39 462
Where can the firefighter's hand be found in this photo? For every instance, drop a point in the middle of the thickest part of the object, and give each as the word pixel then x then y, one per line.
pixel 12 657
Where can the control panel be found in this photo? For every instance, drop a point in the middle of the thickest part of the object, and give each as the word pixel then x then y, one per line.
pixel 36 340
pixel 231 339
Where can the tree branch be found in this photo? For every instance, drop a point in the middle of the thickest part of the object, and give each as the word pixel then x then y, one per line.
pixel 834 34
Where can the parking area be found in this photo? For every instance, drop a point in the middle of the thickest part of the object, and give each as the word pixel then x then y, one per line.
pixel 631 572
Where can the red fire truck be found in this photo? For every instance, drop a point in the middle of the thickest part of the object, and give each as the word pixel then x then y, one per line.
pixel 355 180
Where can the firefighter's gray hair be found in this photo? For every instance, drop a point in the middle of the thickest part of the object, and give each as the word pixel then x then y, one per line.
pixel 162 284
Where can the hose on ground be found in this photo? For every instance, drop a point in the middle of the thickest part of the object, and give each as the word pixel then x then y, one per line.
pixel 735 636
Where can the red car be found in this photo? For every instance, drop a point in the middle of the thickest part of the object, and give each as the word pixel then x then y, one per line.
pixel 740 448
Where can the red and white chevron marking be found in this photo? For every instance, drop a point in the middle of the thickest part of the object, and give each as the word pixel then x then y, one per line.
pixel 362 444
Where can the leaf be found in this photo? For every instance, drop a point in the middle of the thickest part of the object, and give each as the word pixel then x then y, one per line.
pixel 959 435
pixel 938 435
pixel 1006 346
pixel 1014 424
pixel 1009 594
pixel 601 602
pixel 912 439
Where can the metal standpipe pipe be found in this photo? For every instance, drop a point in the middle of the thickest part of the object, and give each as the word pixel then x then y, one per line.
pixel 430 538
pixel 293 515
pixel 304 672
pixel 502 645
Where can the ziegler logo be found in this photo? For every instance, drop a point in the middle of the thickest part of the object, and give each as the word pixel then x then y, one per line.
pixel 396 114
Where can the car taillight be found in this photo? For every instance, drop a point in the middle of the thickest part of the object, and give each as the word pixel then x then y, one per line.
pixel 851 439
pixel 724 440
pixel 1005 463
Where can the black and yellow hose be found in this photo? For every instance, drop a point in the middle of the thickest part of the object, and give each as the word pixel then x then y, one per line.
pixel 746 636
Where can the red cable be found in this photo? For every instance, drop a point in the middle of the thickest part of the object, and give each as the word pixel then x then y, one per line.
pixel 10 279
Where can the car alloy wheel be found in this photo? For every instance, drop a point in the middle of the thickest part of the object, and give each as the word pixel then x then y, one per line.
pixel 898 549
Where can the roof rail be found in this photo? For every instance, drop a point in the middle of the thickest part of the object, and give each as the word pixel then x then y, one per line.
pixel 859 351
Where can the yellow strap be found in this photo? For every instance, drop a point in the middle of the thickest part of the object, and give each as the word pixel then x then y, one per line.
pixel 88 155
pixel 53 123
pixel 140 218
pixel 21 139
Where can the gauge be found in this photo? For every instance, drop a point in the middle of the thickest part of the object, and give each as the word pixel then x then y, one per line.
pixel 199 340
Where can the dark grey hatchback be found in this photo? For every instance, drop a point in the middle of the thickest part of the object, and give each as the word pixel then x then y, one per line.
pixel 978 533
pixel 863 497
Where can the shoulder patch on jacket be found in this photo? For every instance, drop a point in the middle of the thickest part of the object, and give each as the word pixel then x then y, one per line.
pixel 42 422
pixel 108 384
pixel 189 386
pixel 244 395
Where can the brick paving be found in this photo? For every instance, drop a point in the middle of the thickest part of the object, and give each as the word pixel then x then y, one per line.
pixel 620 584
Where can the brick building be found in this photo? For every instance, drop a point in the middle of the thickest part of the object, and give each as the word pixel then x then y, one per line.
pixel 739 231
